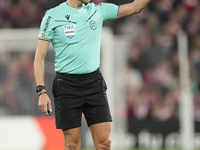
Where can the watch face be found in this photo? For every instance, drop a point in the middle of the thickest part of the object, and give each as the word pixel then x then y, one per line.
pixel 39 88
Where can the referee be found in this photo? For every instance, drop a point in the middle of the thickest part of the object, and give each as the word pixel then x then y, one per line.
pixel 74 29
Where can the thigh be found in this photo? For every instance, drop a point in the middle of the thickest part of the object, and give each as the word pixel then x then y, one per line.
pixel 100 132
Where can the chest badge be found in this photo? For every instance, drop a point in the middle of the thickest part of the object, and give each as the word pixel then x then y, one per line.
pixel 93 25
pixel 69 30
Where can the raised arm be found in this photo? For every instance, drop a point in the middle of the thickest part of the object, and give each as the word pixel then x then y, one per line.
pixel 40 55
pixel 131 8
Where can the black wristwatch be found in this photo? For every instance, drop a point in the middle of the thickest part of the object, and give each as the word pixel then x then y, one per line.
pixel 39 88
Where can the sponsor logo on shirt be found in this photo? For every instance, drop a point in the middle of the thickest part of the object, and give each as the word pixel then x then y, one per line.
pixel 69 30
pixel 67 17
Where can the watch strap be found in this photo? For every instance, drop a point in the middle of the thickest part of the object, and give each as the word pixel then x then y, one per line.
pixel 42 93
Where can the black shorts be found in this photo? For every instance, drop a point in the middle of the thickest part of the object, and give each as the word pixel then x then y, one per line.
pixel 76 94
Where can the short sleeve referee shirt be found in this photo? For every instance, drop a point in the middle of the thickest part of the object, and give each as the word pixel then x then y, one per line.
pixel 76 35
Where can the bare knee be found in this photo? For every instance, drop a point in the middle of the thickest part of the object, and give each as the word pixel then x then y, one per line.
pixel 101 135
pixel 104 144
pixel 72 139
pixel 71 145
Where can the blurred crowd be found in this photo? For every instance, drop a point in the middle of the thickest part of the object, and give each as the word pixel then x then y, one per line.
pixel 152 72
pixel 16 83
pixel 152 75
pixel 21 13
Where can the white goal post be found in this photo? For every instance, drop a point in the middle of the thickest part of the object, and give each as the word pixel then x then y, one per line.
pixel 186 98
